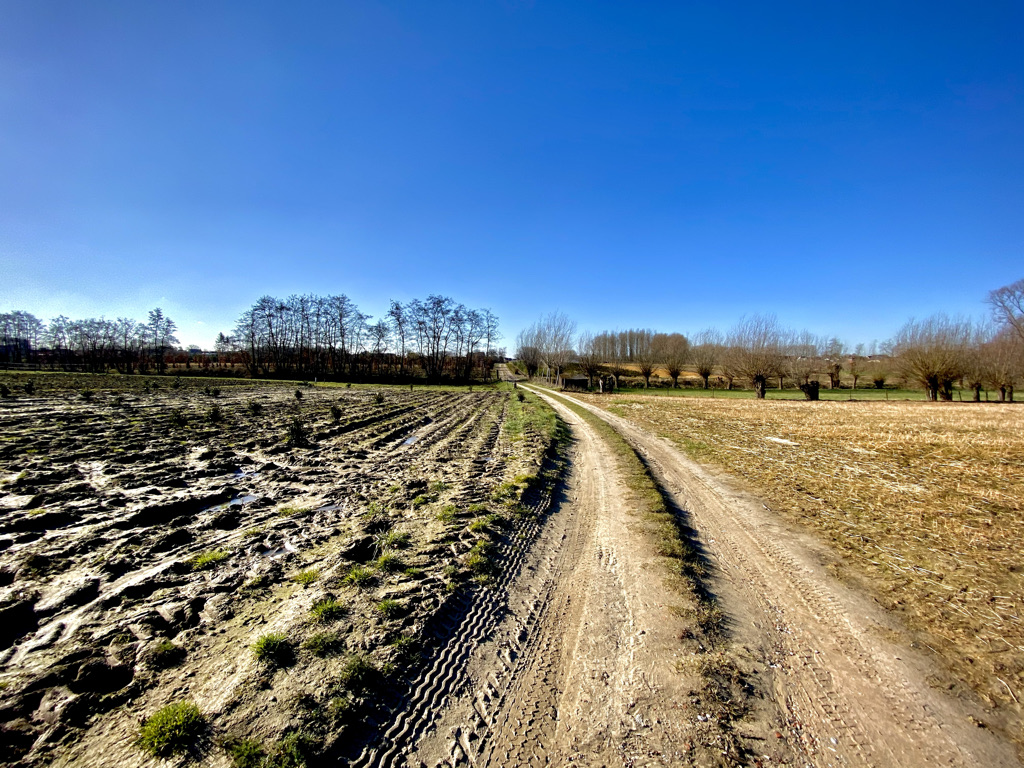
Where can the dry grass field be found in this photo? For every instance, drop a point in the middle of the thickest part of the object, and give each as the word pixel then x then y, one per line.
pixel 927 500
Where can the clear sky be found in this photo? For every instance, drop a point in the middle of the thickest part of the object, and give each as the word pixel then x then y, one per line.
pixel 668 165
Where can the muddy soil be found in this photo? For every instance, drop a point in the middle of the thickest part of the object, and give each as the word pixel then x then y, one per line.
pixel 149 539
pixel 839 671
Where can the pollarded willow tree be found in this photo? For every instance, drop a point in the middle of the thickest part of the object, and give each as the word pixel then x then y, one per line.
pixel 672 350
pixel 757 351
pixel 934 352
pixel 706 353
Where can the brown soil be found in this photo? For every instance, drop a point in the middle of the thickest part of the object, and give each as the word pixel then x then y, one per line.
pixel 109 612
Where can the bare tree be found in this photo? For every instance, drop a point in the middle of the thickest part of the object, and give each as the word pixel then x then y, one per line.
pixel 706 353
pixel 528 352
pixel 1008 306
pixel 672 350
pixel 556 336
pixel 400 325
pixel 803 359
pixel 643 352
pixel 933 352
pixel 1004 357
pixel 757 350
pixel 856 364
pixel 589 354
pixel 832 361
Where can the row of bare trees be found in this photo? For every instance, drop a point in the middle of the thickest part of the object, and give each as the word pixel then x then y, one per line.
pixel 91 344
pixel 935 353
pixel 329 337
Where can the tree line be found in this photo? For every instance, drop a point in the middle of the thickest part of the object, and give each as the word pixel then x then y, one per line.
pixel 329 337
pixel 307 336
pixel 934 353
pixel 92 344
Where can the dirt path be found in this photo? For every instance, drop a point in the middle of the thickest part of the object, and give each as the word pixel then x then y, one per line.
pixel 582 668
pixel 848 694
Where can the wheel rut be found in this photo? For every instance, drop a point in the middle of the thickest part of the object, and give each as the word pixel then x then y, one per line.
pixel 579 665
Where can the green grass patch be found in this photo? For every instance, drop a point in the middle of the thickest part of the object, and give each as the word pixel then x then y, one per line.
pixel 327 610
pixel 390 562
pixel 274 649
pixel 306 577
pixel 388 608
pixel 245 753
pixel 359 576
pixel 208 559
pixel 172 730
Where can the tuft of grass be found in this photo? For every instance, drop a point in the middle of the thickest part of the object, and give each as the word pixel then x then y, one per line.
pixel 322 644
pixel 292 511
pixel 422 500
pixel 274 649
pixel 214 415
pixel 391 540
pixel 254 408
pixel 293 751
pixel 388 608
pixel 179 418
pixel 208 559
pixel 171 730
pixel 439 486
pixel 390 562
pixel 359 674
pixel 335 414
pixel 245 753
pixel 167 654
pixel 447 514
pixel 306 577
pixel 359 576
pixel 480 560
pixel 327 610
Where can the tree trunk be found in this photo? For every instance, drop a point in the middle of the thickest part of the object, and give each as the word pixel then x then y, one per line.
pixel 810 390
pixel 977 393
pixel 705 377
pixel 760 384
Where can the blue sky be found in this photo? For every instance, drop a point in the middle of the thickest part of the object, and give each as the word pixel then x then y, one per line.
pixel 669 165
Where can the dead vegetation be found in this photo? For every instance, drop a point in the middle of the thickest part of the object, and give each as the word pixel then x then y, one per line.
pixel 927 500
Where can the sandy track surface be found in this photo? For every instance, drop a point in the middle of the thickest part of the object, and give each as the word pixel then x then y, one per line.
pixel 583 666
pixel 848 695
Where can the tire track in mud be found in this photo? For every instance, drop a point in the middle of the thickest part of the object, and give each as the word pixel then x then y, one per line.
pixel 847 696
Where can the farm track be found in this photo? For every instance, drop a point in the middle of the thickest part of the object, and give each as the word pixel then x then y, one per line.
pixel 574 659
pixel 847 695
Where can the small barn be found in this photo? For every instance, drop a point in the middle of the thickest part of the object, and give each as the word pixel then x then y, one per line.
pixel 576 384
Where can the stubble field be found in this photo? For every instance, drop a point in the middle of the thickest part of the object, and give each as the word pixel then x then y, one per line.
pixel 925 502
pixel 274 567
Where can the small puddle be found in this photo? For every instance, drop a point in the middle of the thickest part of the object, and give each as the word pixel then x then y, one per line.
pixel 238 501
pixel 410 440
pixel 287 549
